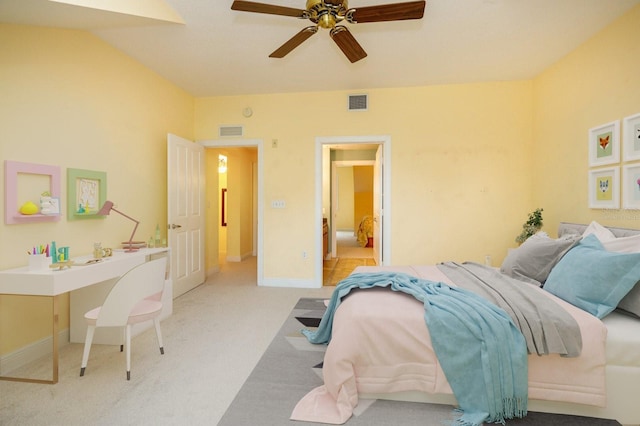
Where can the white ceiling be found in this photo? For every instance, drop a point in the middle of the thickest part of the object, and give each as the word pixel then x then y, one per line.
pixel 218 51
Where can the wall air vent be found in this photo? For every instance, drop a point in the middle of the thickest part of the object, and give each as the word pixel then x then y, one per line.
pixel 358 102
pixel 230 131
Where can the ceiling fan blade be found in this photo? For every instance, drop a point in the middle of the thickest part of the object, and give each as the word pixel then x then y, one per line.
pixel 250 6
pixel 387 12
pixel 347 43
pixel 294 42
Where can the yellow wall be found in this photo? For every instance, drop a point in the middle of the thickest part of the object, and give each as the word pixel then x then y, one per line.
pixel 235 240
pixel 70 100
pixel 239 196
pixel 362 193
pixel 344 212
pixel 460 166
pixel 596 84
pixel 216 234
pixel 355 196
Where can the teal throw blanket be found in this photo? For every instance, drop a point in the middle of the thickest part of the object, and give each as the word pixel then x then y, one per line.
pixel 482 353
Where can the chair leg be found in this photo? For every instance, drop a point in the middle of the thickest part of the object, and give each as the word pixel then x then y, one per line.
pixel 156 322
pixel 128 349
pixel 87 347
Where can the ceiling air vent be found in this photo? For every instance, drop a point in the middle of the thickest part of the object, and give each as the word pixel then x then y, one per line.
pixel 226 131
pixel 358 102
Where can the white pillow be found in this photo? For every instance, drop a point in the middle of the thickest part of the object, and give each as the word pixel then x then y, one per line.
pixel 630 244
pixel 602 233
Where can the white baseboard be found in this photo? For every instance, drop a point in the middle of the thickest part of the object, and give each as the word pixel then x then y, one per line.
pixel 238 258
pixel 289 282
pixel 31 352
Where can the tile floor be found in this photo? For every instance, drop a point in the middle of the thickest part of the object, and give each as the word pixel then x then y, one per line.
pixel 337 269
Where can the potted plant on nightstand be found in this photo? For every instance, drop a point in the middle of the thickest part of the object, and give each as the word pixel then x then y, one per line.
pixel 531 226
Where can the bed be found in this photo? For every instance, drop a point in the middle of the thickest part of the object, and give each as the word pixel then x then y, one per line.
pixel 381 347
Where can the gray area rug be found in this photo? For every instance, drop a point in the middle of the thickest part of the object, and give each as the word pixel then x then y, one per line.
pixel 286 372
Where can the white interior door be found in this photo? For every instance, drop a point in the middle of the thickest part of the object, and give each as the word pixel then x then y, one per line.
pixel 378 212
pixel 185 215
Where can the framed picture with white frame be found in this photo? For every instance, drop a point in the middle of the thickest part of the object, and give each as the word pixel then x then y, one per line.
pixel 631 137
pixel 631 186
pixel 604 144
pixel 604 188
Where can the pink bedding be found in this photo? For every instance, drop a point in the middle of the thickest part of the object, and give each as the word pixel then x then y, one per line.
pixel 380 344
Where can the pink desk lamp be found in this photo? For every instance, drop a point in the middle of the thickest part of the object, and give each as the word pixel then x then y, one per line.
pixel 106 209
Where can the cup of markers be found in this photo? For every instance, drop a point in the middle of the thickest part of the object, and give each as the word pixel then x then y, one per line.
pixel 39 258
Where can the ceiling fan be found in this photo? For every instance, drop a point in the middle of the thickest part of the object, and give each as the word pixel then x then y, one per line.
pixel 328 14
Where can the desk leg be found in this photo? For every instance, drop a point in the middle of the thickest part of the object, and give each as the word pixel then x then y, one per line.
pixel 54 372
pixel 56 343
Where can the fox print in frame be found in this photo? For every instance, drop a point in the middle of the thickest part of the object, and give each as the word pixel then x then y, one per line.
pixel 604 144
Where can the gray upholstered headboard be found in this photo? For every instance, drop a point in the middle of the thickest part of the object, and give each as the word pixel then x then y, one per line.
pixel 578 228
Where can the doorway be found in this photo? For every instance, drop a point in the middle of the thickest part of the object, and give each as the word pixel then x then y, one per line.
pixel 244 230
pixel 351 212
pixel 381 145
pixel 351 207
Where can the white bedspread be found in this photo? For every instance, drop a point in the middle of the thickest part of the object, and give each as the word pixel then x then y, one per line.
pixel 381 344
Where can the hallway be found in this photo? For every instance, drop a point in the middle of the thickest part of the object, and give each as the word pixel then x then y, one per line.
pixel 349 256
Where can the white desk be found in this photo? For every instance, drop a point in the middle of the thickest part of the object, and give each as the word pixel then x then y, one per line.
pixel 53 283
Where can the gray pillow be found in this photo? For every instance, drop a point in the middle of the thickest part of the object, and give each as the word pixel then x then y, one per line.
pixel 535 258
pixel 631 302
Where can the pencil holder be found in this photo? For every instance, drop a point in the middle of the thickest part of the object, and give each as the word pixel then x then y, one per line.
pixel 39 262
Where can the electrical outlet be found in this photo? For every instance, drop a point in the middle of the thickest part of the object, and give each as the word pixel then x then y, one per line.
pixel 274 143
pixel 278 204
pixel 304 254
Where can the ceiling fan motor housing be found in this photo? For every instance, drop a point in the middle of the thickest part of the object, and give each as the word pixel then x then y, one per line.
pixel 326 13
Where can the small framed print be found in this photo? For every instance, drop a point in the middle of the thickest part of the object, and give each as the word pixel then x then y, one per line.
pixel 86 193
pixel 631 186
pixel 49 205
pixel 631 137
pixel 604 189
pixel 224 207
pixel 604 144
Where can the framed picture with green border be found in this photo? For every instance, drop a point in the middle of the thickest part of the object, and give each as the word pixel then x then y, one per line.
pixel 86 193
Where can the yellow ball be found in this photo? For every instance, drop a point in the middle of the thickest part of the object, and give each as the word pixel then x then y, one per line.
pixel 29 208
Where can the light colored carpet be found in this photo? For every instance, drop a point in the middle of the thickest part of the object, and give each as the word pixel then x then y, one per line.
pixel 215 337
pixel 347 247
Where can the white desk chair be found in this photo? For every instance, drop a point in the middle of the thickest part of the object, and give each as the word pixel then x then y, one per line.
pixel 134 298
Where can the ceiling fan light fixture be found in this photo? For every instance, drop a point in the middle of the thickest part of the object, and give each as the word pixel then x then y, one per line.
pixel 326 20
pixel 326 13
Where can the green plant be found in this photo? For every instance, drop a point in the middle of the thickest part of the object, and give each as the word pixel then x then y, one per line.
pixel 531 226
